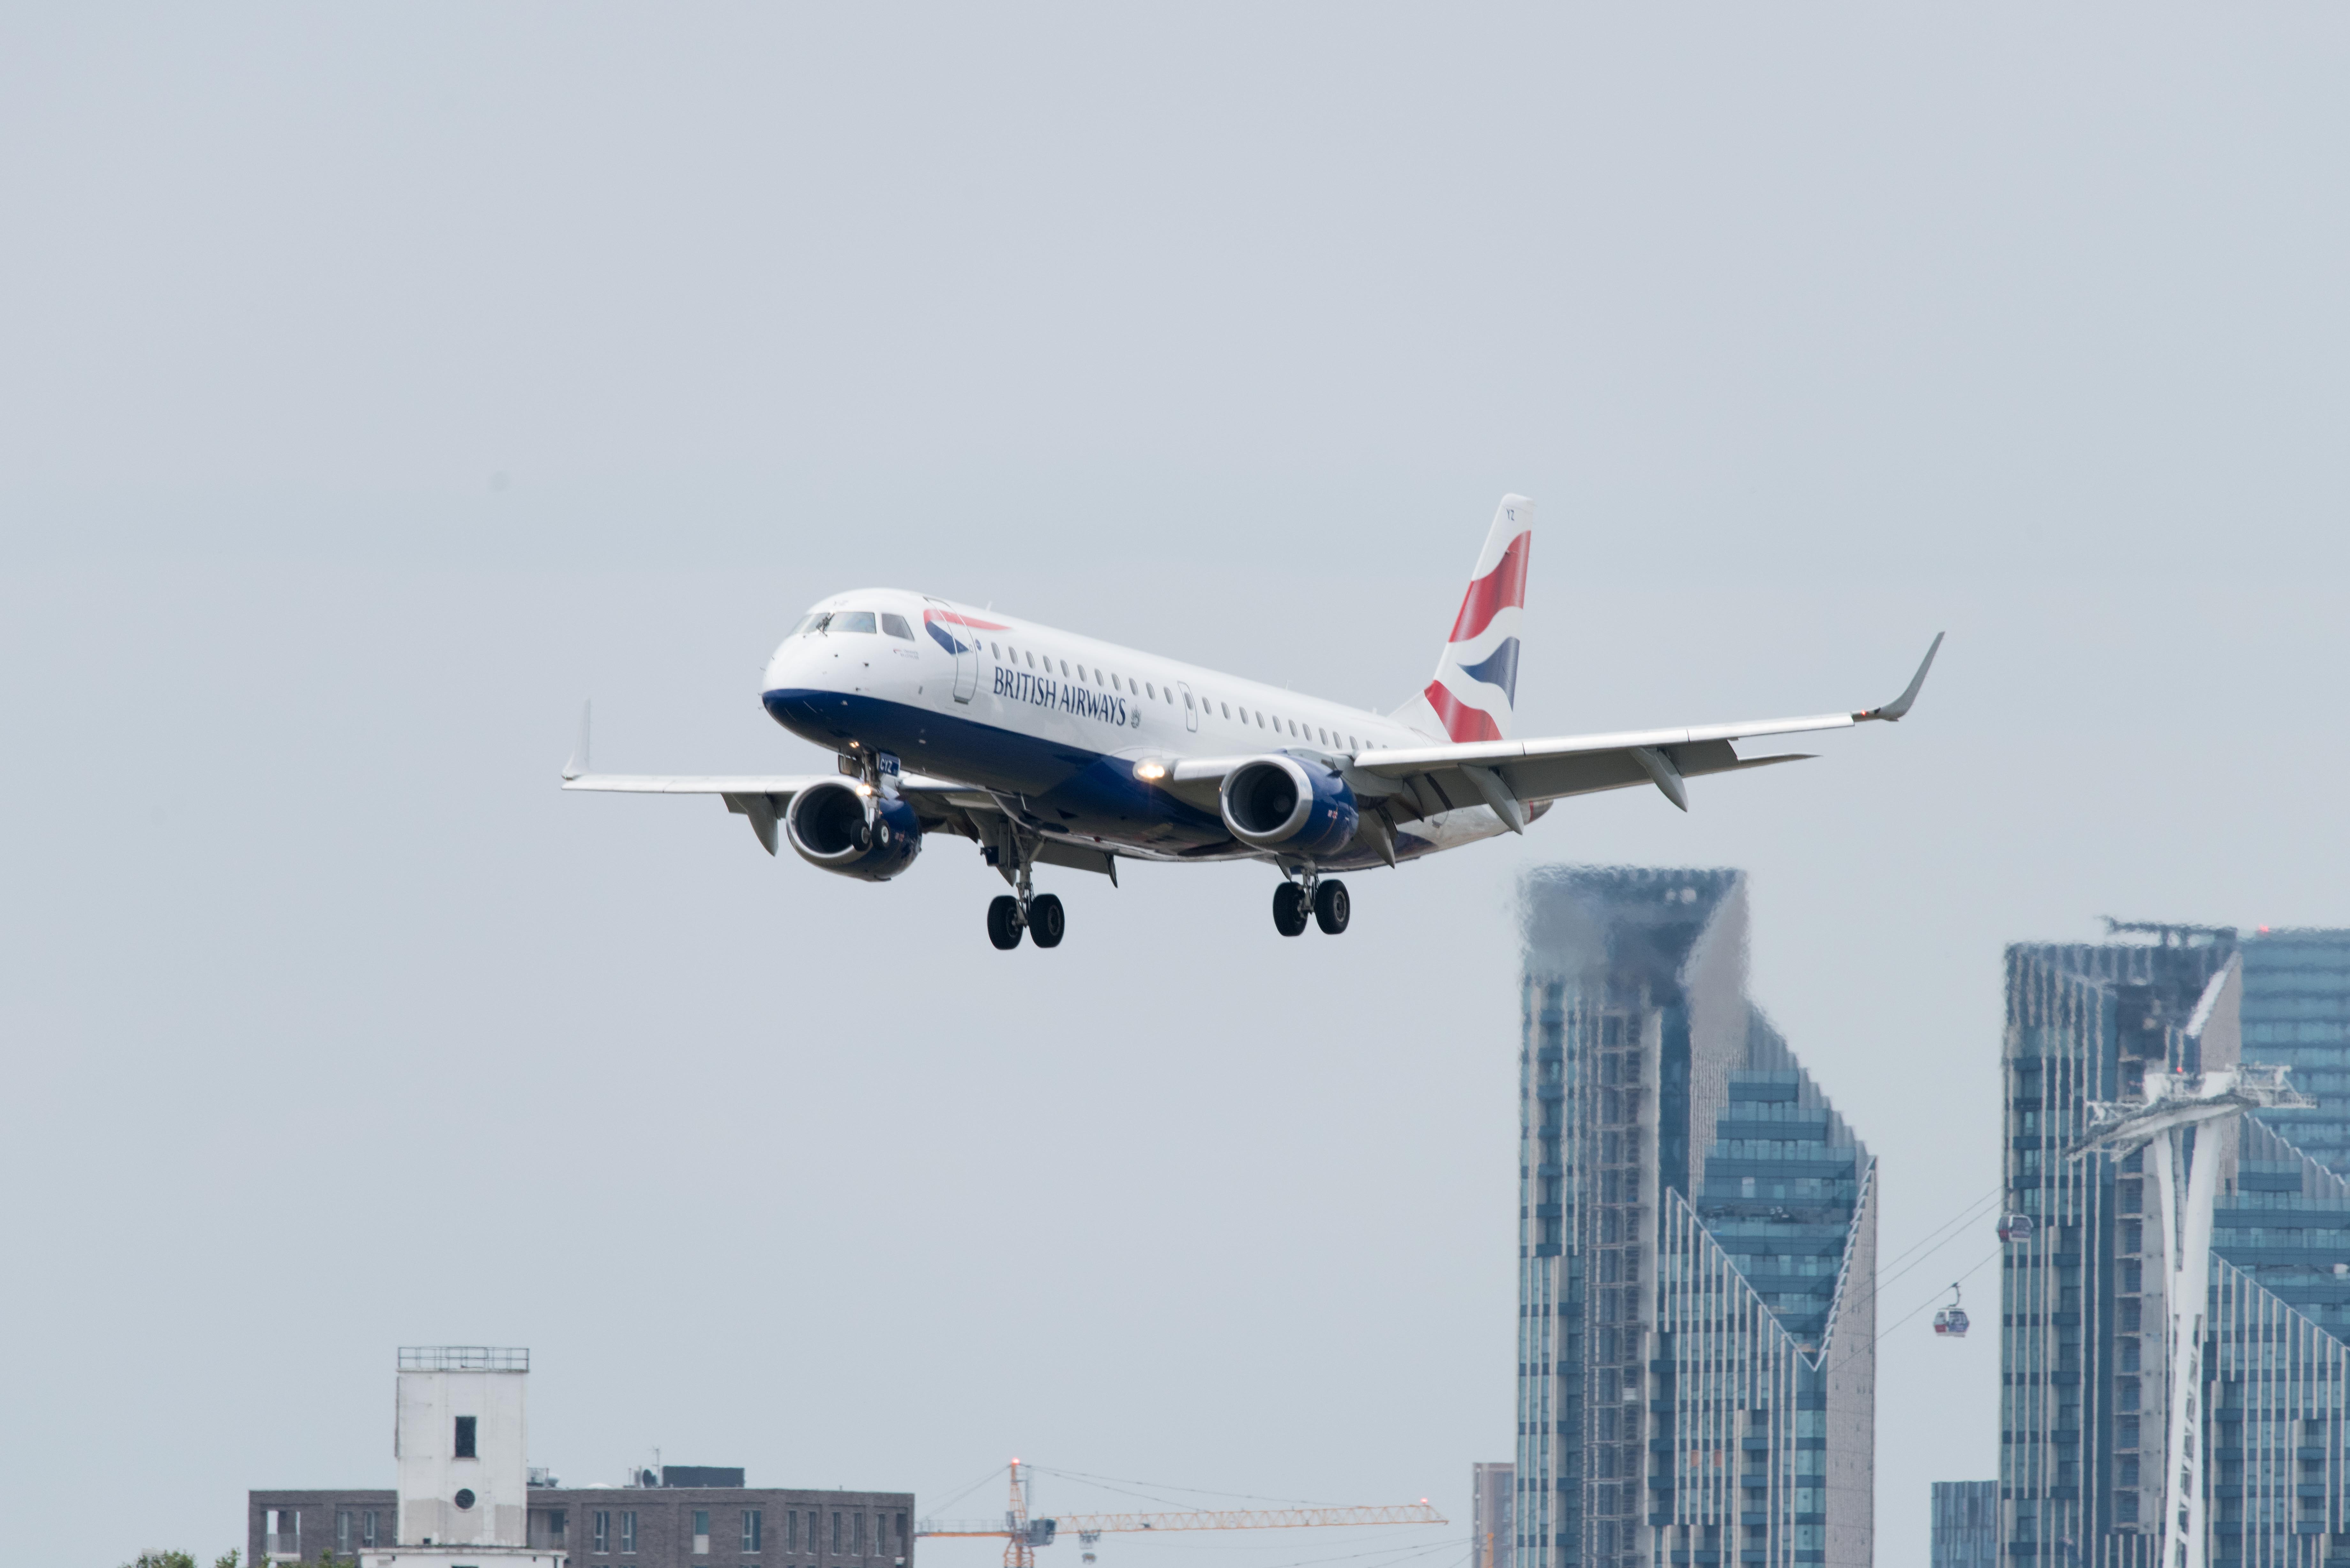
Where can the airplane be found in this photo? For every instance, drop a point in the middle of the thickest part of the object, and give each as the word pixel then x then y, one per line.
pixel 1048 748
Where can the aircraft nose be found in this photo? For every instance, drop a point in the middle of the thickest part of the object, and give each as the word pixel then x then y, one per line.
pixel 784 669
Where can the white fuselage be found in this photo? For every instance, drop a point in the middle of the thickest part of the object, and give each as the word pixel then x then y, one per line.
pixel 1058 720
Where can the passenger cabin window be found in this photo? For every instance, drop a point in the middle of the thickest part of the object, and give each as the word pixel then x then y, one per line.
pixel 895 625
pixel 852 620
pixel 994 652
pixel 1065 669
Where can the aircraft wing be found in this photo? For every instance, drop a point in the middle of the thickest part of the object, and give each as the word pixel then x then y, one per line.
pixel 941 804
pixel 784 784
pixel 1507 775
pixel 765 797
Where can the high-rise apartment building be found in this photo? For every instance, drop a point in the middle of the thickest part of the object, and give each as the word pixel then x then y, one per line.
pixel 2296 1011
pixel 1966 1525
pixel 1697 1230
pixel 2277 1361
pixel 2083 1369
pixel 1494 1509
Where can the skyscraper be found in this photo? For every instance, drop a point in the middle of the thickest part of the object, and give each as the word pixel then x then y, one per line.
pixel 1966 1524
pixel 2084 1396
pixel 1697 1228
pixel 2278 1359
pixel 2297 1012
pixel 1492 1509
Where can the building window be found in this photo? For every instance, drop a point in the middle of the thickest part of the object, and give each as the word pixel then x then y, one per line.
pixel 367 1529
pixel 835 1535
pixel 859 1527
pixel 464 1448
pixel 702 1532
pixel 627 1530
pixel 792 1530
pixel 601 1527
pixel 343 1530
pixel 751 1525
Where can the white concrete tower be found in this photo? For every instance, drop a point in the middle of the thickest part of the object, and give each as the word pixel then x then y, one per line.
pixel 460 1440
pixel 2185 1186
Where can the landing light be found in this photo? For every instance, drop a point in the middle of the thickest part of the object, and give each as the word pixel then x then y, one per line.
pixel 1153 769
pixel 863 788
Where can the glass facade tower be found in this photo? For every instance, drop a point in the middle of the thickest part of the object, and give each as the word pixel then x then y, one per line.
pixel 2083 1372
pixel 2297 1012
pixel 1966 1524
pixel 1698 1227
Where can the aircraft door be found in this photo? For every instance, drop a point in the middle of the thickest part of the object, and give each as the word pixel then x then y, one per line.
pixel 965 643
pixel 1190 713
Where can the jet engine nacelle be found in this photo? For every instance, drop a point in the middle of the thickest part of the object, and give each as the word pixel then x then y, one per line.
pixel 1283 803
pixel 829 827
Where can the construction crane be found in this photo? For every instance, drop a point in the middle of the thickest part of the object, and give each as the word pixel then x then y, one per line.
pixel 1023 1533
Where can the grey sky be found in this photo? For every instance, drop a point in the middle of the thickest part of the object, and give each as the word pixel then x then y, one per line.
pixel 332 1026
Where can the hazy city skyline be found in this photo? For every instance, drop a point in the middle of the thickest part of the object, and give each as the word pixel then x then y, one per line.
pixel 381 384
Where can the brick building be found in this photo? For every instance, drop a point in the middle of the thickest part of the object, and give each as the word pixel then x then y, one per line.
pixel 466 1498
pixel 619 1527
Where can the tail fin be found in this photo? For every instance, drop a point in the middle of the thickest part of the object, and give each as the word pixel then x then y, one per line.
pixel 1476 683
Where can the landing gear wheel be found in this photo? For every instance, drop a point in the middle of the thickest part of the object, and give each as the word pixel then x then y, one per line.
pixel 1004 923
pixel 1331 906
pixel 1045 922
pixel 1289 905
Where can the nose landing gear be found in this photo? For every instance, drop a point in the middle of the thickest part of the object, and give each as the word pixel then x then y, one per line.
pixel 1326 901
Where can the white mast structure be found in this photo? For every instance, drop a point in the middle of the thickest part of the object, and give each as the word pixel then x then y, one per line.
pixel 2175 1104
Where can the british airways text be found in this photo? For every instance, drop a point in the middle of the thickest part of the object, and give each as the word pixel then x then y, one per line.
pixel 1040 691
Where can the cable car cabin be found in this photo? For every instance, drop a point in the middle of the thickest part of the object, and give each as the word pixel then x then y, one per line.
pixel 1950 1322
pixel 2015 1228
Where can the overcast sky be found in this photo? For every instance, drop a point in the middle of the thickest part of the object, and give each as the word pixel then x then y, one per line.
pixel 376 383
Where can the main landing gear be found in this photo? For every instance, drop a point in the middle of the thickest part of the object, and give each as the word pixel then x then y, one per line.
pixel 1038 914
pixel 1326 901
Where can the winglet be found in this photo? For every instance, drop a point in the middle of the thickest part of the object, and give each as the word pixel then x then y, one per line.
pixel 1892 711
pixel 579 763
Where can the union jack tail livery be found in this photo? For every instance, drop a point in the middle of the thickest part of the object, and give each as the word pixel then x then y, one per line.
pixel 1476 683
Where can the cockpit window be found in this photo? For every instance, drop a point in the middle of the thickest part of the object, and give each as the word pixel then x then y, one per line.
pixel 851 620
pixel 811 623
pixel 895 625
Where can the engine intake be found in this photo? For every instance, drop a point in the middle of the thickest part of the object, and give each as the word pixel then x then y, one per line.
pixel 1283 803
pixel 828 828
